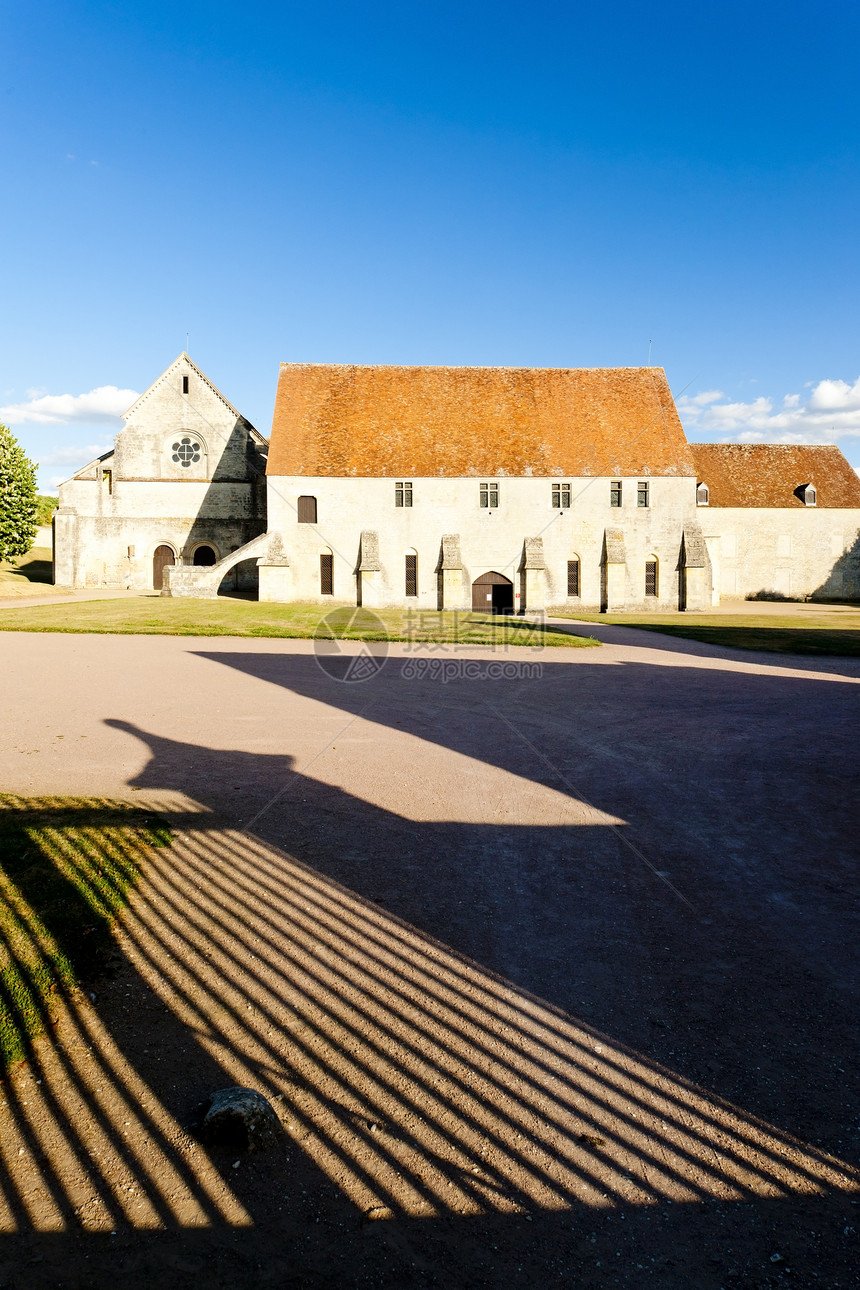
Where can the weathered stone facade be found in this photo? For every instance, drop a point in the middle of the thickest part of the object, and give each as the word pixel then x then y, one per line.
pixel 455 488
pixel 455 541
pixel 576 487
pixel 185 480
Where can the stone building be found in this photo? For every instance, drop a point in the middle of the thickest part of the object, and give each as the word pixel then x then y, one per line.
pixel 512 489
pixel 184 486
pixel 506 488
pixel 781 519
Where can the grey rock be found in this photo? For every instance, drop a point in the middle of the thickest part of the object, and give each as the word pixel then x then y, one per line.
pixel 240 1119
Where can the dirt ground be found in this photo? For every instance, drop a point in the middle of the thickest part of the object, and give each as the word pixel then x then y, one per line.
pixel 551 979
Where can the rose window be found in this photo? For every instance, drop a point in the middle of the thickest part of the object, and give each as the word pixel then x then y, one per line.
pixel 186 452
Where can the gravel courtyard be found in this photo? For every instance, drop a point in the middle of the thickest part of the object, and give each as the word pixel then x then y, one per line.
pixel 553 978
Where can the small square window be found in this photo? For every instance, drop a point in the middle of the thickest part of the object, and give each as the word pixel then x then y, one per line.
pixel 561 496
pixel 615 493
pixel 403 493
pixel 642 493
pixel 489 495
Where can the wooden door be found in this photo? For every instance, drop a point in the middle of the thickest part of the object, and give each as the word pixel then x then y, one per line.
pixel 493 592
pixel 163 556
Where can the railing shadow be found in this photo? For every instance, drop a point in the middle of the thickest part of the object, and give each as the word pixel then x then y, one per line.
pixel 412 1082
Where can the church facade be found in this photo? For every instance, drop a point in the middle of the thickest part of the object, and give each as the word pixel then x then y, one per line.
pixel 184 485
pixel 506 489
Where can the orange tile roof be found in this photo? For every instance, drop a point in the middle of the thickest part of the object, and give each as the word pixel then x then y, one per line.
pixel 766 474
pixel 333 419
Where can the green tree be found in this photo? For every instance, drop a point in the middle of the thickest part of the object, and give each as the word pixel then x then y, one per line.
pixel 17 497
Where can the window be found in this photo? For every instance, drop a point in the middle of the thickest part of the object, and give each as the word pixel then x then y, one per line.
pixel 307 510
pixel 204 555
pixel 642 493
pixel 561 496
pixel 107 476
pixel 615 493
pixel 403 494
pixel 412 575
pixel 703 495
pixel 186 452
pixel 185 385
pixel 573 577
pixel 327 575
pixel 489 495
pixel 650 577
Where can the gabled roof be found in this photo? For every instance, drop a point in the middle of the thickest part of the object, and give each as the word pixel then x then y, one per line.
pixel 91 465
pixel 168 371
pixel 347 420
pixel 767 474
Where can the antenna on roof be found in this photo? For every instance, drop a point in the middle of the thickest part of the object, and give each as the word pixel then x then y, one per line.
pixel 649 353
pixel 187 334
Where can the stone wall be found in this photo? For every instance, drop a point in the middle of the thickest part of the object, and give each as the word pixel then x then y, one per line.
pixel 814 552
pixel 497 539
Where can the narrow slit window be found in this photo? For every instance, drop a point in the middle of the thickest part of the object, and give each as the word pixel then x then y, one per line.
pixel 412 575
pixel 650 577
pixel 642 498
pixel 615 493
pixel 185 385
pixel 403 493
pixel 307 510
pixel 561 496
pixel 573 578
pixel 489 495
pixel 326 575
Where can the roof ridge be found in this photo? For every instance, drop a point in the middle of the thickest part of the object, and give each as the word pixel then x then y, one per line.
pixel 170 368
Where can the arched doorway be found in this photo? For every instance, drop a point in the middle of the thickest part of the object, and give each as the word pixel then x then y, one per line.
pixel 205 555
pixel 493 592
pixel 162 557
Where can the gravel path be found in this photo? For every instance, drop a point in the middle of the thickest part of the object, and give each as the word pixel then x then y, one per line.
pixel 553 978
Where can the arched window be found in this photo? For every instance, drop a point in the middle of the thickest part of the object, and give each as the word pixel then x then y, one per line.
pixel 651 588
pixel 204 555
pixel 573 582
pixel 307 510
pixel 326 573
pixel 703 495
pixel 411 574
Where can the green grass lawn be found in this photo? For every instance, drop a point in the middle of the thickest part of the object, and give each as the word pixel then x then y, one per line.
pixel 27 574
pixel 163 616
pixel 803 631
pixel 66 868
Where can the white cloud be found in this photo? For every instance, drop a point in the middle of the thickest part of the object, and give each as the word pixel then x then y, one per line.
pixel 104 404
pixel 76 457
pixel 831 412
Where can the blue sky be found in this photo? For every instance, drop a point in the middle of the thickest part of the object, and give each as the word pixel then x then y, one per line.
pixel 540 184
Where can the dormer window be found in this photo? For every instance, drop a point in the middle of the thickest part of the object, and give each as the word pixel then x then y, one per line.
pixel 807 494
pixel 703 495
